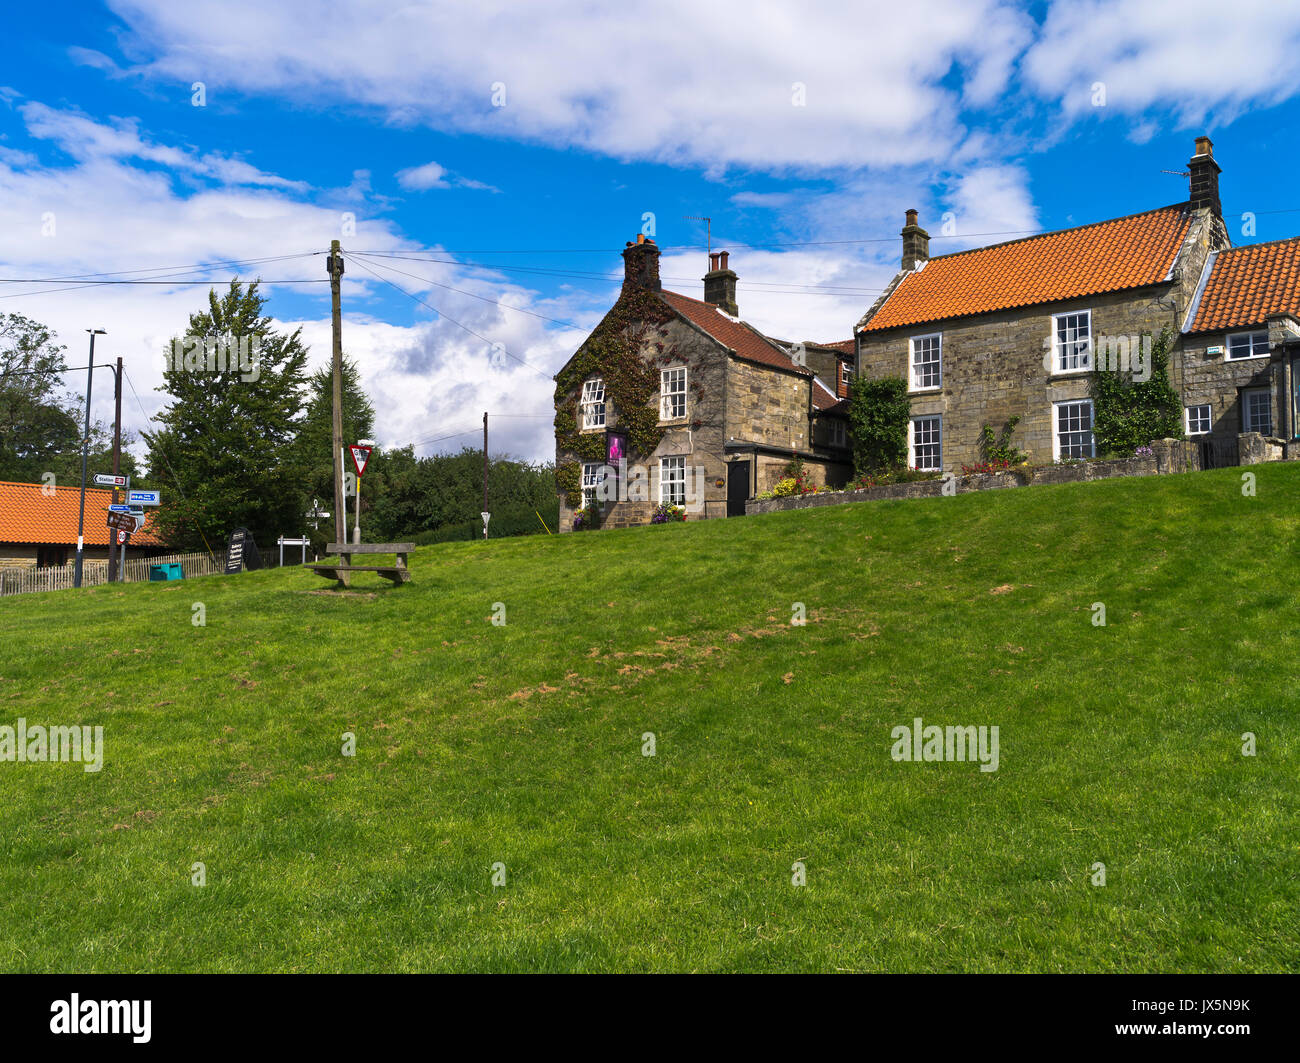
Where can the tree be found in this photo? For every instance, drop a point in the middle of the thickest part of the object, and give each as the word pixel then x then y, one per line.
pixel 226 445
pixel 38 420
pixel 315 443
pixel 878 413
pixel 41 422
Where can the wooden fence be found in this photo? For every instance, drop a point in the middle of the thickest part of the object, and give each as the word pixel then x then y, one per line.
pixel 29 580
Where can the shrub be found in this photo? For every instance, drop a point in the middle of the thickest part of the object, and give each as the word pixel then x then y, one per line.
pixel 878 413
pixel 1129 413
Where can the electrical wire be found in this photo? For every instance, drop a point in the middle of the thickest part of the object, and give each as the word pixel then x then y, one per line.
pixel 466 328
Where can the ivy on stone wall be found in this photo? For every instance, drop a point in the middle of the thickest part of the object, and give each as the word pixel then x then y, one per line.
pixel 1129 413
pixel 878 414
pixel 568 480
pixel 613 352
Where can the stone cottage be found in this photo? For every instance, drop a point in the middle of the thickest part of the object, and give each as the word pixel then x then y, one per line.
pixel 1016 330
pixel 674 400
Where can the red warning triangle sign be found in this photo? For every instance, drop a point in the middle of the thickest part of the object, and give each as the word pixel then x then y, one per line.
pixel 360 457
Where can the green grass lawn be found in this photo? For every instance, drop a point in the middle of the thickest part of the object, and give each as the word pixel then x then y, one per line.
pixel 522 744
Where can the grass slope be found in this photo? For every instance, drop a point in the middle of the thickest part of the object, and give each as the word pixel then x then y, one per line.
pixel 522 744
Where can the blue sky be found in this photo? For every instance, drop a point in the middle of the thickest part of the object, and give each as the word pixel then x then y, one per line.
pixel 508 152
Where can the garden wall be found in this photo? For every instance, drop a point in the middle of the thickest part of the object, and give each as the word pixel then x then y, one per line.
pixel 1167 455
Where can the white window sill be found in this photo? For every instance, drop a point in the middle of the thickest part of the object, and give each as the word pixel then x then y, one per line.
pixel 925 391
pixel 1071 372
pixel 1247 357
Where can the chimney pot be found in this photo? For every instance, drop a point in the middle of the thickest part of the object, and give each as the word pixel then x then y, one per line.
pixel 1203 173
pixel 916 242
pixel 720 284
pixel 641 264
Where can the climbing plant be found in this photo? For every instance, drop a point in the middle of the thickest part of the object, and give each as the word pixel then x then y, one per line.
pixel 613 352
pixel 878 413
pixel 1129 413
pixel 617 352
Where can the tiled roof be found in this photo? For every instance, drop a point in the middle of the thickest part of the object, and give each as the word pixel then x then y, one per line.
pixel 843 346
pixel 28 516
pixel 1106 256
pixel 823 397
pixel 1247 284
pixel 747 342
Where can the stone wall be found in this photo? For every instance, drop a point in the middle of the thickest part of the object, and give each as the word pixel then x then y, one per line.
pixel 1168 456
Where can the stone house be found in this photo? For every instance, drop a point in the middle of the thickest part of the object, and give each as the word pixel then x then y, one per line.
pixel 676 400
pixel 1016 330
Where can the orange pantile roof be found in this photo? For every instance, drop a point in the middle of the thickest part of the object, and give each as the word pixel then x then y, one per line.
pixel 746 341
pixel 1247 284
pixel 1106 256
pixel 28 516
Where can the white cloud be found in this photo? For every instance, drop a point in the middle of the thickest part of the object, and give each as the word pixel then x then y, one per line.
pixel 1201 60
pixel 430 175
pixel 116 208
pixel 87 140
pixel 678 81
pixel 435 175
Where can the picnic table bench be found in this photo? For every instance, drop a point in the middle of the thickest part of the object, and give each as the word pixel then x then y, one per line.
pixel 342 570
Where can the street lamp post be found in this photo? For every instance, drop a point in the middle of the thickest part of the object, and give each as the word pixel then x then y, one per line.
pixel 85 457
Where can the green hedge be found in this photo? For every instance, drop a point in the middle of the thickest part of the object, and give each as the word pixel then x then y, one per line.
pixel 511 521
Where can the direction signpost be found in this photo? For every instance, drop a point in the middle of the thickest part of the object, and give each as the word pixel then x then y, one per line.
pixel 121 521
pixel 104 479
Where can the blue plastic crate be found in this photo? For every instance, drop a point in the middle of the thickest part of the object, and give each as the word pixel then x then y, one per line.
pixel 171 570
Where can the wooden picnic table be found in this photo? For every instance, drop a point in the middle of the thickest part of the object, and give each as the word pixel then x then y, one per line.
pixel 342 570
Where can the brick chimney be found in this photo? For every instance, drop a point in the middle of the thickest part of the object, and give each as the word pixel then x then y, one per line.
pixel 916 242
pixel 641 264
pixel 1204 180
pixel 720 284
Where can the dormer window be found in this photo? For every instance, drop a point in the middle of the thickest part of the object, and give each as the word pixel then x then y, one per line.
pixel 593 403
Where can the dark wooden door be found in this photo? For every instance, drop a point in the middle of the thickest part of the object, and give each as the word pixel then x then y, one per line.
pixel 738 474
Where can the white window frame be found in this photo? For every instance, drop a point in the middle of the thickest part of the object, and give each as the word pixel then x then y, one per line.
pixel 913 376
pixel 1208 419
pixel 1059 346
pixel 670 392
pixel 1056 429
pixel 592 475
pixel 593 398
pixel 846 375
pixel 1247 394
pixel 1252 337
pixel 677 467
pixel 912 456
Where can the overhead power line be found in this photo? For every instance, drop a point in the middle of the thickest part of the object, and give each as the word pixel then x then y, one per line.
pixel 458 324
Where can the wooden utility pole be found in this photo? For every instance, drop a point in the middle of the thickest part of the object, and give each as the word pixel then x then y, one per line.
pixel 117 459
pixel 334 267
pixel 485 472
